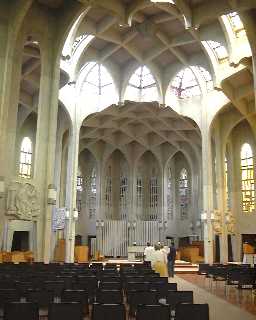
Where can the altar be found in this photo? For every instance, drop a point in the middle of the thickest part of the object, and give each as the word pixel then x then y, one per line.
pixel 133 250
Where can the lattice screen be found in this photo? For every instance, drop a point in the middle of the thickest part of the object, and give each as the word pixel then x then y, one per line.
pixel 153 198
pixel 123 200
pixel 139 197
pixel 169 195
pixel 108 193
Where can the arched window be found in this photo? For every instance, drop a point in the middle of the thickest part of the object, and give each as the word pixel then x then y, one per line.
pixel 25 158
pixel 153 198
pixel 236 24
pixel 185 84
pixel 218 49
pixel 139 196
pixel 227 184
pixel 91 194
pixel 123 203
pixel 108 193
pixel 206 76
pixel 98 90
pixel 142 86
pixel 169 195
pixel 183 194
pixel 247 179
pixel 79 189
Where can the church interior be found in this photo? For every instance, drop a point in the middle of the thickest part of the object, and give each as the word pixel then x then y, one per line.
pixel 125 122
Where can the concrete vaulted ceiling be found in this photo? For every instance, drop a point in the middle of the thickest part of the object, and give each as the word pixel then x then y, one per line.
pixel 137 127
pixel 164 36
pixel 153 34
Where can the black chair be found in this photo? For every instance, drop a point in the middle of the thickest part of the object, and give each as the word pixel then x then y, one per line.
pixel 42 297
pixel 56 286
pixel 21 310
pixel 174 298
pixel 141 297
pixel 153 312
pixel 203 268
pixel 8 295
pixel 80 296
pixel 143 286
pixel 65 311
pixel 110 285
pixel 109 297
pixel 192 312
pixel 108 311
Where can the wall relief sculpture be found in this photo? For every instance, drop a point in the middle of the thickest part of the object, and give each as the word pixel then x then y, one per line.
pixel 231 222
pixel 217 225
pixel 22 201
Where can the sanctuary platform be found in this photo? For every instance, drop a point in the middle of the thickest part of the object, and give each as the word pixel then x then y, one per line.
pixel 180 265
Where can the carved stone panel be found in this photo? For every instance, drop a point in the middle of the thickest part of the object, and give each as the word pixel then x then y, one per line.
pixel 22 201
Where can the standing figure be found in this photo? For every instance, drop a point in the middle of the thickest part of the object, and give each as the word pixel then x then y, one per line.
pixel 171 260
pixel 159 263
pixel 148 253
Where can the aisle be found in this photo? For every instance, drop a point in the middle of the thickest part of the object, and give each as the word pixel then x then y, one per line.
pixel 219 308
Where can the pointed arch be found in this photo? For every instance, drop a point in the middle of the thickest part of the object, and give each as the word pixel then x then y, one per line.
pixel 142 86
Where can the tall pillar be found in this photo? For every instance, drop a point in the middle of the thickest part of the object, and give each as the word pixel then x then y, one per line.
pixel 207 195
pixel 221 194
pixel 71 191
pixel 46 143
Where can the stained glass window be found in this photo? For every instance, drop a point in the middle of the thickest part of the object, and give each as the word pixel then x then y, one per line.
pixel 247 179
pixel 227 184
pixel 185 85
pixel 25 158
pixel 184 194
pixel 169 195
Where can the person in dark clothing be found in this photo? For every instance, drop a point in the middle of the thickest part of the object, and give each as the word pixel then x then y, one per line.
pixel 171 260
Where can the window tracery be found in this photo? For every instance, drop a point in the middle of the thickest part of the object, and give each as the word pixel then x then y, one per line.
pixel 108 193
pixel 25 165
pixel 185 85
pixel 227 184
pixel 247 179
pixel 91 190
pixel 153 195
pixel 142 86
pixel 123 201
pixel 169 195
pixel 98 87
pixel 219 50
pixel 183 194
pixel 236 23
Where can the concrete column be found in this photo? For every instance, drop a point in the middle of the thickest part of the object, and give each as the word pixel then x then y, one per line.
pixel 71 192
pixel 207 195
pixel 46 143
pixel 236 196
pixel 221 194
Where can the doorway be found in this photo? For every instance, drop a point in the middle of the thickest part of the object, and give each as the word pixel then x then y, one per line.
pixel 20 241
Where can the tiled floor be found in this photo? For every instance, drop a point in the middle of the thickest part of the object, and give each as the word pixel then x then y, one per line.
pixel 221 308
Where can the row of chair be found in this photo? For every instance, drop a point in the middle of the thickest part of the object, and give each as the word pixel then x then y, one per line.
pixel 67 311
